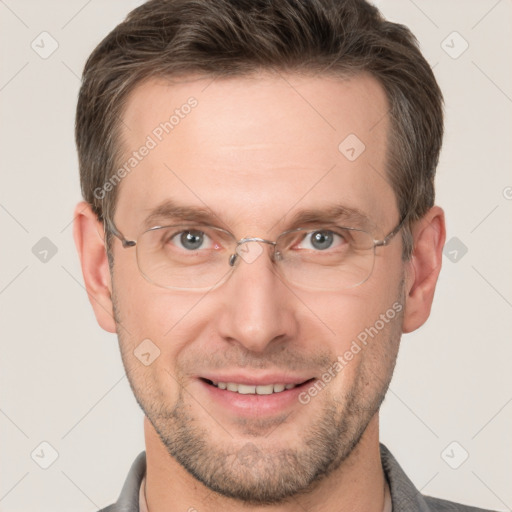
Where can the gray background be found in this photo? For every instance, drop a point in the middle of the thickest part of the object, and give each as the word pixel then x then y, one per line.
pixel 62 381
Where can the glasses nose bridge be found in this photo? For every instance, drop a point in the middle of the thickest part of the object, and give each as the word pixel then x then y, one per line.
pixel 237 252
pixel 255 239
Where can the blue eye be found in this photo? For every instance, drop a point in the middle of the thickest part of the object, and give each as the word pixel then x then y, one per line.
pixel 192 240
pixel 321 240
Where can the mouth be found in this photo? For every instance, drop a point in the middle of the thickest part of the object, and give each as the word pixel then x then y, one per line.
pixel 253 389
pixel 243 396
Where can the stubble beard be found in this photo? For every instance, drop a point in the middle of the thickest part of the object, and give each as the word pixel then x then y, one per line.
pixel 244 470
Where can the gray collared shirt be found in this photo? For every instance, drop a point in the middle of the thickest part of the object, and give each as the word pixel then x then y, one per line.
pixel 404 495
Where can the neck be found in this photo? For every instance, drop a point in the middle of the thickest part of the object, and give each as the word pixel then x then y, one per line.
pixel 357 485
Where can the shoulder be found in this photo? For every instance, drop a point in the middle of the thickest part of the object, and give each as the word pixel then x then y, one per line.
pixel 110 508
pixel 438 505
pixel 406 497
pixel 128 500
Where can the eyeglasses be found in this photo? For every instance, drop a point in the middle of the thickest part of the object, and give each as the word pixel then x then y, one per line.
pixel 191 256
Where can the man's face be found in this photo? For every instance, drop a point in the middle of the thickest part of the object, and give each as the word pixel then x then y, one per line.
pixel 255 152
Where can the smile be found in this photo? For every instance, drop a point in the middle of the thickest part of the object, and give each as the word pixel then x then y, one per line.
pixel 248 389
pixel 245 389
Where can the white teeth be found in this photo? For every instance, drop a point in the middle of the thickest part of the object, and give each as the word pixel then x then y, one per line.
pixel 246 389
pixel 264 390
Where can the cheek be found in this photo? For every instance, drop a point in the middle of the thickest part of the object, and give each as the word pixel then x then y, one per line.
pixel 365 346
pixel 344 316
pixel 146 312
pixel 362 323
pixel 156 328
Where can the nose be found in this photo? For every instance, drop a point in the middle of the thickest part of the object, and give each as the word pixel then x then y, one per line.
pixel 258 308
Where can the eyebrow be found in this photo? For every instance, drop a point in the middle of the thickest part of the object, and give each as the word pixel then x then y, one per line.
pixel 333 214
pixel 169 210
pixel 330 214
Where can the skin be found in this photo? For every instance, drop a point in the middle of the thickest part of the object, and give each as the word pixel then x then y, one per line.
pixel 256 150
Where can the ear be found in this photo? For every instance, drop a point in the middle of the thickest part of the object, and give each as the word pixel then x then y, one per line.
pixel 429 234
pixel 89 237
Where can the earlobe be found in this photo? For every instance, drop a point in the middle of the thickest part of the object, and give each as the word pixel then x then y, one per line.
pixel 89 241
pixel 429 234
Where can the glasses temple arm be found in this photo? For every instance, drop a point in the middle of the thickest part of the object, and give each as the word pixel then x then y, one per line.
pixel 108 225
pixel 390 235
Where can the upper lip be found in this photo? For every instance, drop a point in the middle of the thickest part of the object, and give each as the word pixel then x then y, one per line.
pixel 253 380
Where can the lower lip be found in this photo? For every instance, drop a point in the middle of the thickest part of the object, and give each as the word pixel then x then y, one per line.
pixel 253 404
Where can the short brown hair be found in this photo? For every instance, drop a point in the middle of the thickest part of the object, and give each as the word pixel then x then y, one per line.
pixel 222 38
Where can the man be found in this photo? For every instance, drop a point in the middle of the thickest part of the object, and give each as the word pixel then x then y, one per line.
pixel 259 229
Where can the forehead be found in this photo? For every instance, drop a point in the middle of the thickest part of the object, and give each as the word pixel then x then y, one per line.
pixel 256 150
